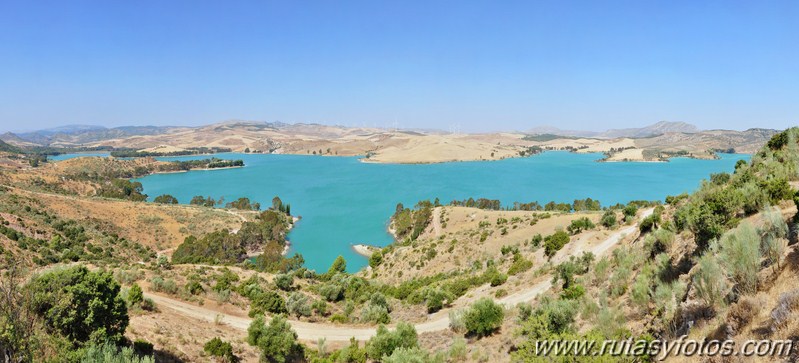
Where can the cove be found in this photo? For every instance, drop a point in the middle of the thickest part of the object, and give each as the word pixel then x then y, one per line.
pixel 343 201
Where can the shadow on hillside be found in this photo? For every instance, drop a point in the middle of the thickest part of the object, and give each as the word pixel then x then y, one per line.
pixel 167 357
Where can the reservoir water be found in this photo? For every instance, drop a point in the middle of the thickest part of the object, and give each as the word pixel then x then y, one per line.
pixel 343 201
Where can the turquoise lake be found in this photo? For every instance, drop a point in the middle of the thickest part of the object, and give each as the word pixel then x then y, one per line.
pixel 343 201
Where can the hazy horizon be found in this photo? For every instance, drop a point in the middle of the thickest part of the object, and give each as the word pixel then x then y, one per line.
pixel 388 126
pixel 474 66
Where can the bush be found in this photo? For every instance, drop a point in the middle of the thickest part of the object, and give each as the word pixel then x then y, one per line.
pixel 554 242
pixel 165 199
pixel 267 301
pixel 519 265
pixel 277 341
pixel 135 295
pixel 740 255
pixel 375 314
pixel 385 342
pixel 108 352
pixel 608 219
pixel 630 210
pixel 194 287
pixel 218 247
pixel 297 305
pixel 498 279
pixel 219 348
pixel 558 315
pixel 435 299
pixel 376 259
pixel 351 354
pixel 284 282
pixel 484 317
pixel 456 321
pixel 168 286
pixel 320 307
pixel 710 281
pixel 579 225
pixel 331 292
pixel 773 232
pixel 338 266
pixel 573 292
pixel 640 292
pixel 80 304
pixel 412 355
pixel 649 223
pixel 225 281
pixel 457 351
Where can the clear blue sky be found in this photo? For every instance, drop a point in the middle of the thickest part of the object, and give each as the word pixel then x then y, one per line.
pixel 486 65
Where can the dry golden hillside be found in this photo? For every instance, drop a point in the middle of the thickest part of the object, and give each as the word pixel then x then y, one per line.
pixel 398 146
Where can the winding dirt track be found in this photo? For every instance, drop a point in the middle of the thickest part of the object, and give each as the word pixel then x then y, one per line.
pixel 332 332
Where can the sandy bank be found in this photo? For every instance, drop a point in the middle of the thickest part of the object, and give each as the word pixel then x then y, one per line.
pixel 365 250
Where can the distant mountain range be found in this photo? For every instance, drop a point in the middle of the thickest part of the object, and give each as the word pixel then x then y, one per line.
pixel 265 135
pixel 660 128
pixel 80 134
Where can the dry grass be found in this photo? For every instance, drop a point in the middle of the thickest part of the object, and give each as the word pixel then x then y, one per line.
pixel 456 238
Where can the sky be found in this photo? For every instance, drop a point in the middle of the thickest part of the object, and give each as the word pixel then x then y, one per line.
pixel 468 65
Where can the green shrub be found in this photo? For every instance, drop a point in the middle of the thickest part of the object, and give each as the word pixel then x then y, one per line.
pixel 649 223
pixel 276 340
pixel 773 232
pixel 558 315
pixel 608 219
pixel 498 279
pixel 553 243
pixel 375 314
pixel 165 199
pixel 376 259
pixel 267 301
pixel 109 353
pixel 218 247
pixel 385 342
pixel 484 317
pixel 320 307
pixel 331 292
pixel 135 295
pixel 456 321
pixel 80 305
pixel 412 355
pixel 194 288
pixel 350 354
pixel 519 265
pixel 338 266
pixel 457 350
pixel 219 348
pixel 710 281
pixel 630 210
pixel 158 284
pixel 579 225
pixel 297 305
pixel 740 256
pixel 284 282
pixel 573 292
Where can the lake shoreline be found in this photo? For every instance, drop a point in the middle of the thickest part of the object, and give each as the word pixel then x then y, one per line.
pixel 344 202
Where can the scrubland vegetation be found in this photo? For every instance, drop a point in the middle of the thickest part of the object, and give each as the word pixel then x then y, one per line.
pixel 700 265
